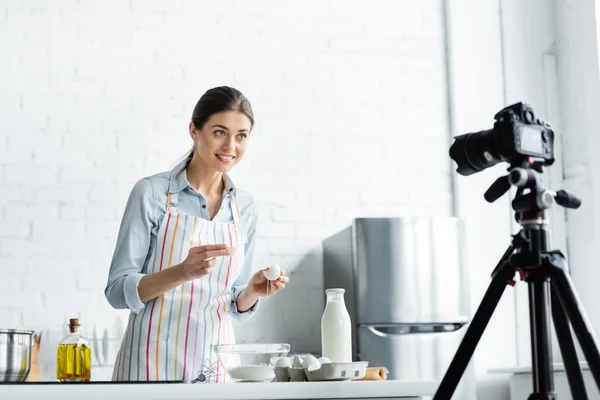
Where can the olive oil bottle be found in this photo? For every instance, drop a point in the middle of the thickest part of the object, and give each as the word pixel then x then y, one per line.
pixel 74 356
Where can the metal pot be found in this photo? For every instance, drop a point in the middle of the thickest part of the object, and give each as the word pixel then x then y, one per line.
pixel 15 354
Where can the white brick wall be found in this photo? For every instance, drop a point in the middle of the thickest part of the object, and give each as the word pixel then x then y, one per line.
pixel 350 108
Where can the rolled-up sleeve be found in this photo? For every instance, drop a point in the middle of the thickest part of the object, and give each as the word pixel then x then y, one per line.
pixel 247 270
pixel 131 250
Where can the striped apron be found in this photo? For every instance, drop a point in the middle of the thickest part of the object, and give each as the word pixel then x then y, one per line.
pixel 172 337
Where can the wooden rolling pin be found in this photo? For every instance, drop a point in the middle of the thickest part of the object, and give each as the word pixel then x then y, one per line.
pixel 34 373
pixel 375 374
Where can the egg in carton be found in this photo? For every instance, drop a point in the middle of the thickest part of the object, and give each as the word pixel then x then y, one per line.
pixel 282 367
pixel 310 368
pixel 290 369
pixel 312 363
pixel 296 369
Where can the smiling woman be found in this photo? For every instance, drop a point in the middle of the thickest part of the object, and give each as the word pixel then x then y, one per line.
pixel 221 123
pixel 183 258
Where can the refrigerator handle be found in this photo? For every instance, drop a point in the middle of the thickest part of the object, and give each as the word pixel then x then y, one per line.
pixel 377 332
pixel 411 329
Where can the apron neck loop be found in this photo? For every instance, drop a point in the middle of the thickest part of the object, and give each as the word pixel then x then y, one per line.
pixel 172 201
pixel 235 210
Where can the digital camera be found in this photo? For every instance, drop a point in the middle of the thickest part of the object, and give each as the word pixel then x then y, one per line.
pixel 517 135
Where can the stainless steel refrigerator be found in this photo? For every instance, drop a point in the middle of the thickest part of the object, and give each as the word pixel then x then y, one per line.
pixel 406 291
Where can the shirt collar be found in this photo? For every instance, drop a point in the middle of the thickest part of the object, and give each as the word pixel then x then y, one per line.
pixel 178 180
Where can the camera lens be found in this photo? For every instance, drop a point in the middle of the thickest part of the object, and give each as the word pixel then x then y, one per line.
pixel 474 152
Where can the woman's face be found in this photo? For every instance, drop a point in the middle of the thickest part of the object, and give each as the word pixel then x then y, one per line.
pixel 222 141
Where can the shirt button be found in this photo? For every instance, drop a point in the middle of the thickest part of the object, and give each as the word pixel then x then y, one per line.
pixel 203 205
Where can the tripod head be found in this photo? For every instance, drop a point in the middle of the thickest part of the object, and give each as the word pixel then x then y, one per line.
pixel 529 206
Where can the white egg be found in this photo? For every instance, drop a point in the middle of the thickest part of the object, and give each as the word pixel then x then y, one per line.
pixel 311 363
pixel 324 360
pixel 284 362
pixel 273 272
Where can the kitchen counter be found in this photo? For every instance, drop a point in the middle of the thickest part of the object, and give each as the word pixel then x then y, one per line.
pixel 247 391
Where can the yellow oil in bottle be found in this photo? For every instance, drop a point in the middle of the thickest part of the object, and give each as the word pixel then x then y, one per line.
pixel 73 362
pixel 73 356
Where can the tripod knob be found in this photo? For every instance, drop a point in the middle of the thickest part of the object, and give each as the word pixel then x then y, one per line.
pixel 533 201
pixel 567 199
pixel 521 177
pixel 498 188
pixel 544 199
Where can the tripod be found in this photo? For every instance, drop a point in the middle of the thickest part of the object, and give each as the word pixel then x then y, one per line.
pixel 550 288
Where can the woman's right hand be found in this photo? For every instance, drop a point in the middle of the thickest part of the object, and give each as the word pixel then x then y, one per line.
pixel 201 259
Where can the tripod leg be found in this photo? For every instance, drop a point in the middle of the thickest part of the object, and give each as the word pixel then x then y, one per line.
pixel 569 299
pixel 567 349
pixel 473 334
pixel 539 303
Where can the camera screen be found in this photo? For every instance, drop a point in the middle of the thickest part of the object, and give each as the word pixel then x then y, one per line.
pixel 531 140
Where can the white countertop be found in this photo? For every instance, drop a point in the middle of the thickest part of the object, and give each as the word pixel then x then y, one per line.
pixel 246 391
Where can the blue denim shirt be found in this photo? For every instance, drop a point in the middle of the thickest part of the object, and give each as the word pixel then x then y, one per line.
pixel 145 209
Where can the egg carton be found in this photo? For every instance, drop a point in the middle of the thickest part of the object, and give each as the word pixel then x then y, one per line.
pixel 327 372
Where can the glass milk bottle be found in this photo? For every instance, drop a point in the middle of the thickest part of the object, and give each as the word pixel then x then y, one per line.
pixel 336 329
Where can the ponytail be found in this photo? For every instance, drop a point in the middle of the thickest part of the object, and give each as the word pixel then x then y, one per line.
pixel 187 159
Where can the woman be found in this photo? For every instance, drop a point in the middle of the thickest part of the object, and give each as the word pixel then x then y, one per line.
pixel 183 258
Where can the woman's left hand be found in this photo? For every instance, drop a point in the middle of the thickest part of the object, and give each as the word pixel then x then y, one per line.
pixel 260 286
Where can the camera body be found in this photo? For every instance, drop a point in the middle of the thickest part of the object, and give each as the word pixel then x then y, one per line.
pixel 516 136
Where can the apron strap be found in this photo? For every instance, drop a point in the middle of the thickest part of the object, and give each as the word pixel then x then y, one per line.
pixel 235 210
pixel 172 201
